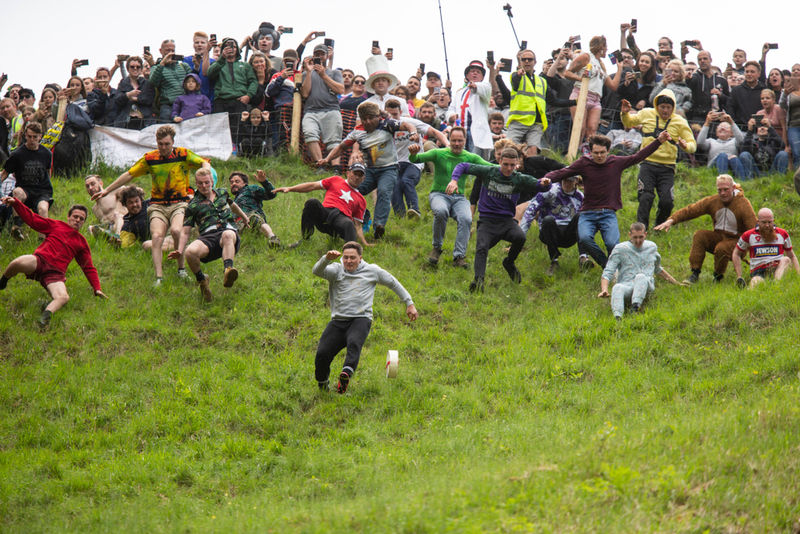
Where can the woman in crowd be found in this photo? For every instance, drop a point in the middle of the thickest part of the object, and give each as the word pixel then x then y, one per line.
pixel 775 81
pixel 790 102
pixel 598 77
pixel 777 116
pixel 262 101
pixel 639 84
pixel 442 102
pixel 401 91
pixel 674 80
pixel 357 96
pixel 44 115
pixel 133 103
pixel 73 93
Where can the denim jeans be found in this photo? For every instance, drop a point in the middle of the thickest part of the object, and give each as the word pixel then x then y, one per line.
pixel 723 163
pixel 604 221
pixel 383 179
pixel 793 135
pixel 445 206
pixel 406 188
pixel 780 164
pixel 558 131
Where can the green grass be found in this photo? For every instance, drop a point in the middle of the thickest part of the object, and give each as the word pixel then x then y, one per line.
pixel 525 409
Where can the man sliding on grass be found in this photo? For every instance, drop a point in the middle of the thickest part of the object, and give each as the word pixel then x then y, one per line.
pixel 211 210
pixel 48 264
pixel 637 261
pixel 351 290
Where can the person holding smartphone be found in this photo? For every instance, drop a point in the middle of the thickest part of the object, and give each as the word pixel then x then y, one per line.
pixel 322 119
pixel 790 101
pixel 235 83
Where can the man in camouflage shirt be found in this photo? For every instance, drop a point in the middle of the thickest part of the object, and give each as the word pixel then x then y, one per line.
pixel 211 210
pixel 249 198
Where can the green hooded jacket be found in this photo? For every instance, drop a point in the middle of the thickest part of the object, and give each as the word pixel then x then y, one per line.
pixel 232 80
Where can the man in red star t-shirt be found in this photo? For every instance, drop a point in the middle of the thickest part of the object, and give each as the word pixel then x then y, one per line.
pixel 48 264
pixel 341 213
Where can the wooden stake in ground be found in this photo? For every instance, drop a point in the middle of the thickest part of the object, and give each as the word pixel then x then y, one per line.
pixel 62 109
pixel 580 113
pixel 297 113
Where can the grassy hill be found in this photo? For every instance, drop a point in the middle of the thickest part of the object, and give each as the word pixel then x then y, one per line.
pixel 525 409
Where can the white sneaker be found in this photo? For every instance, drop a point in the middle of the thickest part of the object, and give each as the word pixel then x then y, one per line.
pixel 412 214
pixel 183 274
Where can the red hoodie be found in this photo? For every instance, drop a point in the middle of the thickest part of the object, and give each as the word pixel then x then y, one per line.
pixel 62 243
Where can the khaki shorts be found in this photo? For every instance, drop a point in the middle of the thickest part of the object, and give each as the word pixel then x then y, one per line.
pixel 165 212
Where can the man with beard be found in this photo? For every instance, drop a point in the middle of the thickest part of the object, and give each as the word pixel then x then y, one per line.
pixel 134 223
pixel 250 198
pixel 770 250
pixel 732 215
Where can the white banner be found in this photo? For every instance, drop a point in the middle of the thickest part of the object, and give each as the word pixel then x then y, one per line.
pixel 208 136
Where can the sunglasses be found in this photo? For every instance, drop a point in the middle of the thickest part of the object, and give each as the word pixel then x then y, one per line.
pixel 133 67
pixel 359 82
pixel 527 59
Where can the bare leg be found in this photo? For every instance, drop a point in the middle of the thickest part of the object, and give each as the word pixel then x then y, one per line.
pixel 228 244
pixel 175 230
pixel 592 120
pixel 314 150
pixel 158 229
pixel 24 264
pixel 533 150
pixel 782 266
pixel 266 230
pixel 755 281
pixel 520 211
pixel 194 253
pixel 57 290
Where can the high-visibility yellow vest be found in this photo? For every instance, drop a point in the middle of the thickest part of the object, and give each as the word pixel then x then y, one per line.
pixel 526 100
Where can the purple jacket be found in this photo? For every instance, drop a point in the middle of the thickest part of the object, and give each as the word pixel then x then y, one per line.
pixel 188 105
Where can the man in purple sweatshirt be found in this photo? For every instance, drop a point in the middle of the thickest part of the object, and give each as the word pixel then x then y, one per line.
pixel 602 191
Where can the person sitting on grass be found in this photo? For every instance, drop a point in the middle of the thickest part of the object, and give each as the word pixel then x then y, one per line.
pixel 211 210
pixel 770 250
pixel 340 214
pixel 497 206
pixel 48 264
pixel 134 224
pixel 351 289
pixel 637 261
pixel 731 214
pixel 250 199
pixel 375 138
pixel 108 210
pixel 763 150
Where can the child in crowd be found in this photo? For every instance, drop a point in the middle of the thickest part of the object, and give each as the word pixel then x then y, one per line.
pixel 193 103
pixel 253 132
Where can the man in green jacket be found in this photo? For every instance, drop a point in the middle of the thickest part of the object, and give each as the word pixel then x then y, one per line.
pixel 235 82
pixel 446 206
pixel 167 76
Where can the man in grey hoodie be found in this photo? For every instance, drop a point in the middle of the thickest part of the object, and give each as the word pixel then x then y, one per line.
pixel 351 290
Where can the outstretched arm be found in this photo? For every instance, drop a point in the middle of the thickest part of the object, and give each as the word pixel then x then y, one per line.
pixel 119 182
pixel 301 188
pixel 668 277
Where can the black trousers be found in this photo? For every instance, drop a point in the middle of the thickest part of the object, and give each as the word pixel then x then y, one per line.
pixel 329 221
pixel 234 109
pixel 490 233
pixel 556 236
pixel 350 334
pixel 655 178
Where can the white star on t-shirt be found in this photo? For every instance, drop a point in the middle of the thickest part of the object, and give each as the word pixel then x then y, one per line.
pixel 346 196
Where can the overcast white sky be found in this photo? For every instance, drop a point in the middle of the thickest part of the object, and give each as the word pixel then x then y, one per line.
pixel 33 55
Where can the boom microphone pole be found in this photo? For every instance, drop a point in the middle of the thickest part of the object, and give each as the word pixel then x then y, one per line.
pixel 446 64
pixel 507 9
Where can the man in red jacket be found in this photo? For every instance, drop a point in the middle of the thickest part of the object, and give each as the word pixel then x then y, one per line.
pixel 48 264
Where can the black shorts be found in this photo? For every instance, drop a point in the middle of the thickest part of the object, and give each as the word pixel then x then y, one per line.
pixel 765 271
pixel 213 240
pixel 34 197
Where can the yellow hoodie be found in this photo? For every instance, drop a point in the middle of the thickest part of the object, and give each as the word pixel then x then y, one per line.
pixel 677 127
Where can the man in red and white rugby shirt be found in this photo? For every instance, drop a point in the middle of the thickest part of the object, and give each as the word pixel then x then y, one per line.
pixel 770 251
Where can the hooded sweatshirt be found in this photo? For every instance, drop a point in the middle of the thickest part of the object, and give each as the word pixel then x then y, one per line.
pixel 189 105
pixel 232 79
pixel 652 125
